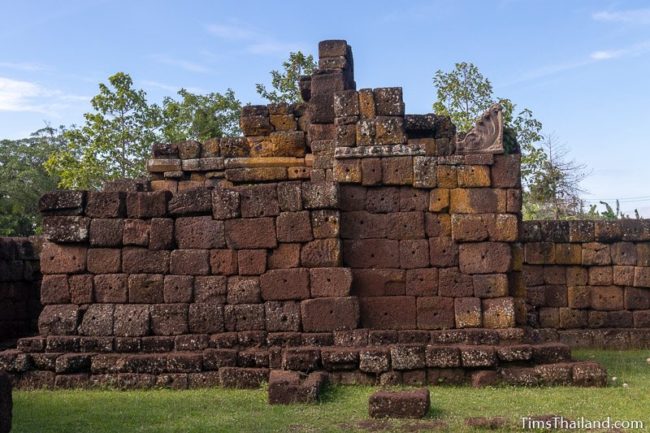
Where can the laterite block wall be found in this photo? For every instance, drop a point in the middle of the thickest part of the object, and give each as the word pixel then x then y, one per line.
pixel 19 288
pixel 338 235
pixel 588 282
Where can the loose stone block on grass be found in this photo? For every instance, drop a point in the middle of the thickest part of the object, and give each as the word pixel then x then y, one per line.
pixel 399 404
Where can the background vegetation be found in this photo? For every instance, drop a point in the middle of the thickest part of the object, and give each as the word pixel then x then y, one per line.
pixel 115 138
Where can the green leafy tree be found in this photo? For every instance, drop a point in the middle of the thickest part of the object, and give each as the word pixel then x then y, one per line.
pixel 550 181
pixel 463 94
pixel 285 83
pixel 199 117
pixel 114 141
pixel 23 179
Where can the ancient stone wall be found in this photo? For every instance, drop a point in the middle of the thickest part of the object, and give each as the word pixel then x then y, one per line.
pixel 589 280
pixel 19 288
pixel 337 235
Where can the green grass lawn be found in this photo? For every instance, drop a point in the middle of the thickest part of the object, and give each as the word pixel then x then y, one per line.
pixel 343 409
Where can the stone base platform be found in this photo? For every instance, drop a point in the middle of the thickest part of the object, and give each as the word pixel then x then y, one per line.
pixel 244 359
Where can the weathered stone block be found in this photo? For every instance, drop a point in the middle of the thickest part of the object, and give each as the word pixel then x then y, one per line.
pixel 498 313
pixel 144 261
pixel 57 258
pixel 136 232
pixel 251 262
pixel 146 289
pixel 193 201
pixel 388 101
pixel 484 257
pixel 178 288
pixel 211 289
pixel 389 312
pixel 205 318
pixel 435 312
pixel 225 204
pixel 321 253
pixel 199 233
pixel 169 319
pixel 371 253
pixel 397 170
pixel 329 314
pixel 467 312
pixel 147 204
pixel 62 202
pixel 399 404
pixel 284 256
pixel 607 298
pixel 453 283
pixel 66 229
pixel 97 320
pixel 330 282
pixel 106 232
pixel 110 288
pixel 58 320
pixel 244 317
pixel 285 284
pixel 250 233
pixel 282 316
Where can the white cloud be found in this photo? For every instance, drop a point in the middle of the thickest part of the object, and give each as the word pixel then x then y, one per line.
pixel 256 42
pixel 26 96
pixel 181 63
pixel 234 32
pixel 631 51
pixel 27 67
pixel 635 16
pixel 594 57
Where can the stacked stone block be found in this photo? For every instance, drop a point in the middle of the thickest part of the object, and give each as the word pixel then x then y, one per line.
pixel 340 235
pixel 19 288
pixel 589 280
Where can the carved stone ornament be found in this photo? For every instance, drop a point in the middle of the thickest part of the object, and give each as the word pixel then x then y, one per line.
pixel 486 136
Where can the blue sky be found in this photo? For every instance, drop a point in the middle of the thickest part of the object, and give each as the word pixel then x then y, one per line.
pixel 582 66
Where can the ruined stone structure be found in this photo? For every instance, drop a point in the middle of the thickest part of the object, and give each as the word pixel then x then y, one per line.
pixel 588 282
pixel 19 288
pixel 338 235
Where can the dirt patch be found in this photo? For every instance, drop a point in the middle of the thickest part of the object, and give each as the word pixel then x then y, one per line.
pixel 371 425
pixel 488 423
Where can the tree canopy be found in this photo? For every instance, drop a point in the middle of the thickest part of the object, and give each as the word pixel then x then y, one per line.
pixel 285 83
pixel 116 137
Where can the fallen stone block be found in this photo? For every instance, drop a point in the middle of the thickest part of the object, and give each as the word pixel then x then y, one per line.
pixel 287 387
pixel 399 404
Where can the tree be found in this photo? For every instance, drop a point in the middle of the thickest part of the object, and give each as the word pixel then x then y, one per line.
pixel 551 189
pixel 23 179
pixel 114 141
pixel 285 84
pixel 554 190
pixel 199 117
pixel 463 94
